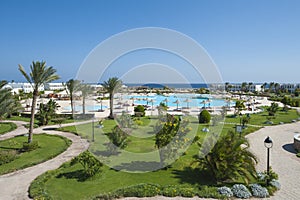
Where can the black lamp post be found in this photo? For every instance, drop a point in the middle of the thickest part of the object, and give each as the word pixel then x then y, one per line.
pixel 268 144
pixel 240 115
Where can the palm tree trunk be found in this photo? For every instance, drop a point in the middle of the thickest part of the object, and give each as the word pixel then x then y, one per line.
pixel 30 133
pixel 111 102
pixel 72 107
pixel 83 105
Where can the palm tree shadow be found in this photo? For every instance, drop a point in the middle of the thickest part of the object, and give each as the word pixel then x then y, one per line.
pixel 194 176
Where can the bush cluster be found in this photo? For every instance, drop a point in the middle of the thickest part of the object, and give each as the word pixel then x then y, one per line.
pixel 225 191
pixel 30 146
pixel 7 156
pixel 259 191
pixel 241 191
pixel 139 111
pixel 150 190
pixel 204 117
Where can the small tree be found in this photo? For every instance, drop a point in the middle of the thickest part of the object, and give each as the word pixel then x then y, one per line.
pixel 118 137
pixel 90 164
pixel 47 112
pixel 204 116
pixel 239 106
pixel 72 86
pixel 273 109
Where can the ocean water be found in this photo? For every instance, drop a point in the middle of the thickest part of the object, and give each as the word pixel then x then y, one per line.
pixel 170 85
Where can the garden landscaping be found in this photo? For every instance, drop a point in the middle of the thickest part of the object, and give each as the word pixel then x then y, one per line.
pixel 14 157
pixel 67 182
pixel 7 127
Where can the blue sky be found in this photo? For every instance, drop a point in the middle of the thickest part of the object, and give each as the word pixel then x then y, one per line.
pixel 249 40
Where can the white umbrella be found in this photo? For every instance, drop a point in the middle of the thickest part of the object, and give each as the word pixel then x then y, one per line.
pixel 166 100
pixel 187 102
pixel 177 102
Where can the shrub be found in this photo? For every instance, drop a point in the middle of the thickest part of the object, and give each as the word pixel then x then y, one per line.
pixel 139 111
pixel 259 191
pixel 30 146
pixel 298 154
pixel 170 191
pixel 118 137
pixel 241 191
pixel 225 191
pixel 209 192
pixel 139 122
pixel 188 192
pixel 276 184
pixel 204 117
pixel 7 156
pixel 140 190
pixel 90 164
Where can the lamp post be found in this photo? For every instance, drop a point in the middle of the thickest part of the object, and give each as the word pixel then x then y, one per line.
pixel 240 115
pixel 268 144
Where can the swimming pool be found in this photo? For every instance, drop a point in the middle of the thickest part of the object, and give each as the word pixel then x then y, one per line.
pixel 183 100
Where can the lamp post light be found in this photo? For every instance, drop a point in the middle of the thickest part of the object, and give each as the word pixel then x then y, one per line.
pixel 268 144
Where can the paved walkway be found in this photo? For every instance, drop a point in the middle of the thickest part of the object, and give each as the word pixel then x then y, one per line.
pixel 15 185
pixel 283 161
pixel 282 157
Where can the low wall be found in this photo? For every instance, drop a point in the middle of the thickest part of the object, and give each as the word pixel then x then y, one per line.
pixel 297 142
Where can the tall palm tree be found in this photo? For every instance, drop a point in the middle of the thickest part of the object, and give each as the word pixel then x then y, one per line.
pixel 72 86
pixel 40 74
pixel 112 85
pixel 85 91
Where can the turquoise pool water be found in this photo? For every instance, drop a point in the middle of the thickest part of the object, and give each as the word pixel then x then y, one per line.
pixel 195 100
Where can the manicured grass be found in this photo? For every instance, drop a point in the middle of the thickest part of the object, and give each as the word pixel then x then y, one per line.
pixel 65 183
pixel 7 127
pixel 49 147
pixel 21 118
pixel 261 118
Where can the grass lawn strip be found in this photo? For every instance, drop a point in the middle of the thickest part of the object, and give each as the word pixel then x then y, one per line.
pixel 49 147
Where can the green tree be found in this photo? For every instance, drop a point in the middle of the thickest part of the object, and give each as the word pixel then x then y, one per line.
pixel 118 138
pixel 8 104
pixel 139 111
pixel 170 136
pixel 72 86
pixel 39 75
pixel 112 85
pixel 90 164
pixel 85 91
pixel 273 109
pixel 229 160
pixel 47 112
pixel 239 106
pixel 204 116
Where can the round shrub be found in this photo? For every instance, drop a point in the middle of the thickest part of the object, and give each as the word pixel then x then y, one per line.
pixel 276 184
pixel 7 156
pixel 204 117
pixel 170 191
pixel 139 111
pixel 241 191
pixel 225 191
pixel 259 191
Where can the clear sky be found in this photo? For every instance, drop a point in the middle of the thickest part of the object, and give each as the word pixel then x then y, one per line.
pixel 249 40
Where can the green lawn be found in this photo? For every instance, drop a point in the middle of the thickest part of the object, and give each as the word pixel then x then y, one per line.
pixel 49 147
pixel 7 127
pixel 65 182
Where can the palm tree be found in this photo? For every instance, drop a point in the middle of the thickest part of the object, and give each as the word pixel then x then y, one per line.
pixel 72 86
pixel 271 86
pixel 244 87
pixel 229 159
pixel 8 104
pixel 39 75
pixel 112 85
pixel 85 91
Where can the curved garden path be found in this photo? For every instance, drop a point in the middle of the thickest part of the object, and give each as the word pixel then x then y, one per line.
pixel 283 161
pixel 15 185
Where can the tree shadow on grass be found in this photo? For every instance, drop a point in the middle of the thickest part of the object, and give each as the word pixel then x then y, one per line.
pixel 194 176
pixel 138 166
pixel 80 175
pixel 289 148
